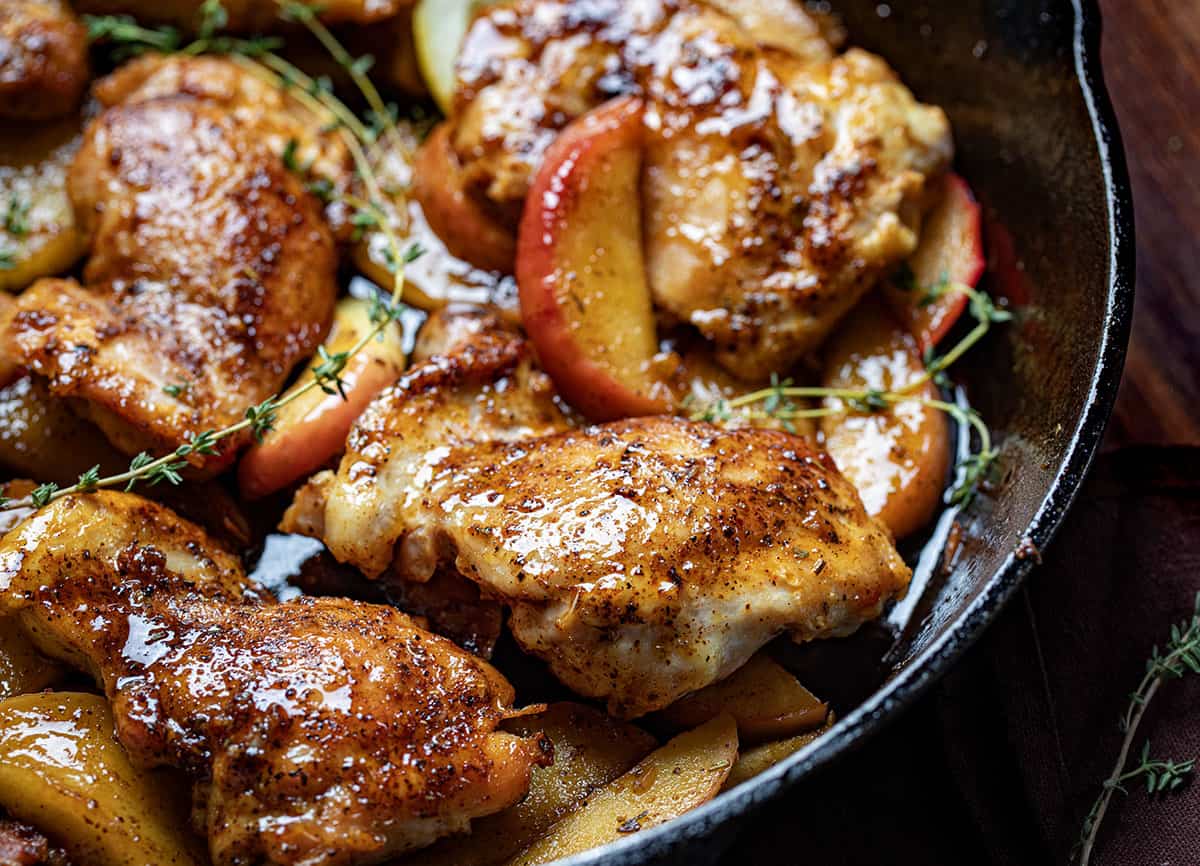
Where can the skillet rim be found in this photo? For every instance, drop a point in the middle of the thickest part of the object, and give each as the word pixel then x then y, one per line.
pixel 919 675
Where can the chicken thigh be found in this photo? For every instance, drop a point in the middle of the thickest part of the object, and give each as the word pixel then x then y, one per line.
pixel 318 731
pixel 212 273
pixel 642 559
pixel 778 185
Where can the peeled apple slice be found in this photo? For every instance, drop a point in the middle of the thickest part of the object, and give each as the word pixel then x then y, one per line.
pixel 38 237
pixel 676 778
pixel 438 28
pixel 22 668
pixel 764 698
pixel 63 772
pixel 590 750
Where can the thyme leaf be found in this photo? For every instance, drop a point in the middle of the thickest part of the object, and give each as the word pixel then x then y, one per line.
pixel 88 481
pixel 1179 657
pixel 777 401
pixel 126 37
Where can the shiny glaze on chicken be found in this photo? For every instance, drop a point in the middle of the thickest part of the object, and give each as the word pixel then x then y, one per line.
pixel 270 115
pixel 642 559
pixel 778 186
pixel 317 730
pixel 486 388
pixel 43 59
pixel 211 269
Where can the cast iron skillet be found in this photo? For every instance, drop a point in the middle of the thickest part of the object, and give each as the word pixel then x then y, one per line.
pixel 1038 142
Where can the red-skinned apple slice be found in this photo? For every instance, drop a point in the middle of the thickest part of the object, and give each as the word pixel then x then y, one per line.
pixel 898 458
pixel 462 223
pixel 313 428
pixel 580 269
pixel 951 248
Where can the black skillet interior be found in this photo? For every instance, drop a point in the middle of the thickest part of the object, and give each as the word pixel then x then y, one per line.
pixel 1036 139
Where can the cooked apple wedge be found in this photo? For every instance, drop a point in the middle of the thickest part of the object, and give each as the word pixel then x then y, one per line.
pixel 898 457
pixel 590 750
pixel 437 277
pixel 63 772
pixel 676 778
pixel 22 668
pixel 580 269
pixel 762 758
pixel 313 428
pixel 38 236
pixel 765 700
pixel 463 224
pixel 438 30
pixel 951 248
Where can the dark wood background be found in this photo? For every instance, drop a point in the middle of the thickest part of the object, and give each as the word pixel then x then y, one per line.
pixel 1152 64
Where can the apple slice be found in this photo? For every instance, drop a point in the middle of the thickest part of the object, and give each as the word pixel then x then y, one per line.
pixel 63 772
pixel 673 779
pixel 312 429
pixel 764 698
pixel 438 30
pixel 951 248
pixel 580 269
pixel 462 223
pixel 897 458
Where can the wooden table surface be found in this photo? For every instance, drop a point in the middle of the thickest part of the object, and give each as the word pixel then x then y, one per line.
pixel 1152 64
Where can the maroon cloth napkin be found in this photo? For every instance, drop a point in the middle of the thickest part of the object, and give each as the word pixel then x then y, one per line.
pixel 1000 764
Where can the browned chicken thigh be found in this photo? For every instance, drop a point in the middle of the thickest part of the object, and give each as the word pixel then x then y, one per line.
pixel 642 559
pixel 212 273
pixel 318 731
pixel 778 185
pixel 270 114
pixel 43 59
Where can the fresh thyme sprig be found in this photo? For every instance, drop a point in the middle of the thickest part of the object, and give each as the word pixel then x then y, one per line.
pixel 256 56
pixel 1180 657
pixel 130 39
pixel 777 402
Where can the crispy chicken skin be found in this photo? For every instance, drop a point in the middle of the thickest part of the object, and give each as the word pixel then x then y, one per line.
pixel 642 559
pixel 271 115
pixel 485 388
pixel 778 186
pixel 243 15
pixel 43 59
pixel 317 730
pixel 211 268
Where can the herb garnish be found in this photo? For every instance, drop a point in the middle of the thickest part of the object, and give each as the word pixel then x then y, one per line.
pixel 317 96
pixel 778 401
pixel 1180 658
